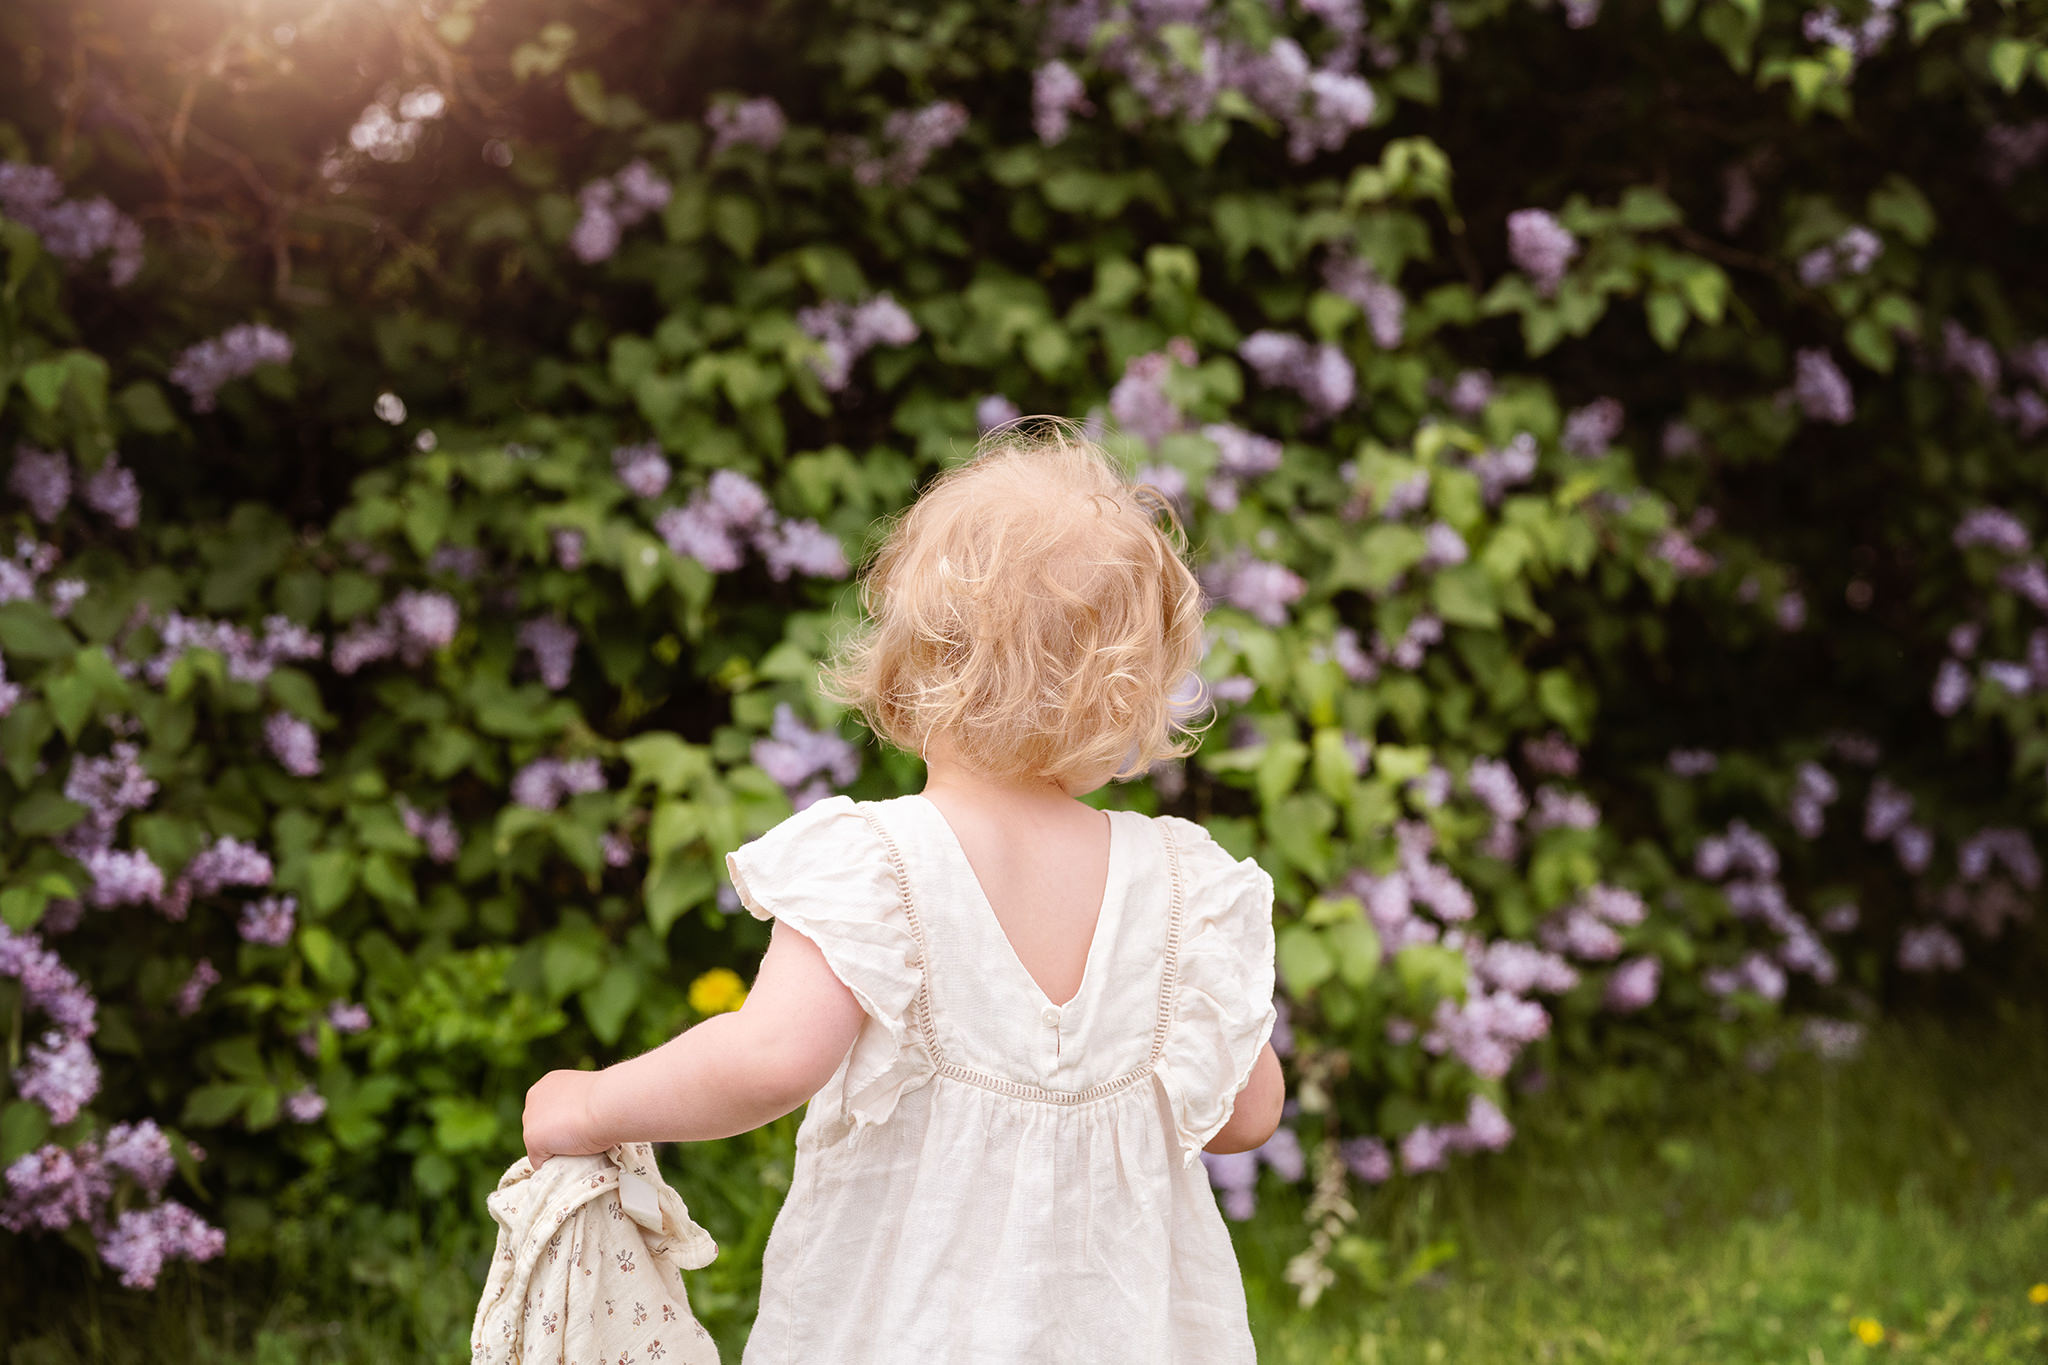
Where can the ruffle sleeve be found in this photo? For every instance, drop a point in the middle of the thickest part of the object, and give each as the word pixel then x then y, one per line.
pixel 1223 1010
pixel 827 873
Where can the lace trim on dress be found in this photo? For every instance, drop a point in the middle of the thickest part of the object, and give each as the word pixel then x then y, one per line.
pixel 927 1036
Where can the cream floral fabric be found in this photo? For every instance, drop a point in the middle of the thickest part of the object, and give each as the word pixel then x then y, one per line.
pixel 589 1267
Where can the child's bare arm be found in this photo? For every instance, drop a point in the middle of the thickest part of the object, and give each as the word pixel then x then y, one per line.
pixel 729 1074
pixel 1257 1112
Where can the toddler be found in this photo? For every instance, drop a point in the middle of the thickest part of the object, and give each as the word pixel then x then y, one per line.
pixel 1018 1019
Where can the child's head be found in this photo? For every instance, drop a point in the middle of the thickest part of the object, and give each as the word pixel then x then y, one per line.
pixel 1030 613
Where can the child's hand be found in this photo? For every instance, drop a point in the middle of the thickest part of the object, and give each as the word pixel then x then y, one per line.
pixel 558 1117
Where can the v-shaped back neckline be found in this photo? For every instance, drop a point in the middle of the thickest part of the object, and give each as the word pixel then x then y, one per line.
pixel 1106 914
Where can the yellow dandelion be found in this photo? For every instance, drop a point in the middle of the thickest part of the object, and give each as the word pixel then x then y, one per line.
pixel 717 991
pixel 1869 1331
pixel 2038 1294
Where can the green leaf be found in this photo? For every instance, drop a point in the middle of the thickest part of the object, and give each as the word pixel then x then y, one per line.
pixel 569 962
pixel 209 1106
pixel 43 813
pixel 23 1126
pixel 1898 205
pixel 325 954
pixel 1399 763
pixel 665 761
pixel 1464 596
pixel 1644 209
pixel 585 89
pixel 672 887
pixel 240 1057
pixel 1380 556
pixel 462 1124
pixel 330 878
pixel 1334 769
pixel 1357 946
pixel 1279 769
pixel 2008 62
pixel 1430 972
pixel 1667 316
pixel 608 1004
pixel 1303 961
pixel 28 631
pixel 1564 702
pixel 142 403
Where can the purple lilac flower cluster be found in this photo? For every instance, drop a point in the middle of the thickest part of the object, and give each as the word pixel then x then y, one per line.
pixel 1825 26
pixel 1319 371
pixel 52 989
pixel 1851 253
pixel 804 762
pixel 552 643
pixel 1591 430
pixel 1241 456
pixel 203 369
pixel 642 468
pixel 1821 389
pixel 2011 149
pixel 846 332
pixel 1057 94
pixel 610 205
pixel 1391 900
pixel 1589 928
pixel 1747 864
pixel 205 976
pixel 225 862
pixel 1512 465
pixel 1468 392
pixel 730 513
pixel 436 831
pixel 44 480
pixel 293 742
pixel 412 626
pixel 1676 547
pixel 1363 665
pixel 1259 587
pixel 2018 677
pixel 1236 1174
pixel 1814 789
pixel 54 1188
pixel 1541 248
pixel 269 922
pixel 249 658
pixel 1428 1146
pixel 994 411
pixel 1998 871
pixel 1139 403
pixel 71 229
pixel 1319 102
pixel 546 782
pixel 1385 309
pixel 910 139
pixel 755 122
pixel 1888 816
pixel 2026 365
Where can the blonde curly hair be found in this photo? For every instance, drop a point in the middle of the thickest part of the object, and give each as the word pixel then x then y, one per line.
pixel 1034 607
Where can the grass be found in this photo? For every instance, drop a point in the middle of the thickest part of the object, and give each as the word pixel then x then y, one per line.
pixel 1765 1221
pixel 1904 1194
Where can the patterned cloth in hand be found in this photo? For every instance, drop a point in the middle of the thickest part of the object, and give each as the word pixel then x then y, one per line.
pixel 589 1266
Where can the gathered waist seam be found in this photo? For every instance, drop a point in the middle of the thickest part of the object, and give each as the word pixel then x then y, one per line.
pixel 921 1006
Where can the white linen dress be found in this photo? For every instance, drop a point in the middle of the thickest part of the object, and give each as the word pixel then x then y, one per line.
pixel 991 1177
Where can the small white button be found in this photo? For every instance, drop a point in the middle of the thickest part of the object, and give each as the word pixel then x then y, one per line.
pixel 1051 1015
